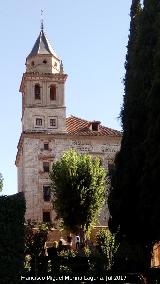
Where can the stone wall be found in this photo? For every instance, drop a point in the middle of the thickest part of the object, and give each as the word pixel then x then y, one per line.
pixel 32 158
pixel 30 115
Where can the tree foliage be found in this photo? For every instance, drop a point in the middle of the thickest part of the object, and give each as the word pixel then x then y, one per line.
pixel 149 183
pixel 108 245
pixel 133 200
pixel 35 238
pixel 12 210
pixel 79 188
pixel 122 195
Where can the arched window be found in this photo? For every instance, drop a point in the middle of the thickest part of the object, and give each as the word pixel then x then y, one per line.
pixel 52 92
pixel 37 92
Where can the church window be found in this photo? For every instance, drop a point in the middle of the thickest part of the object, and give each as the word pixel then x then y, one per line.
pixel 53 122
pixel 45 61
pixel 46 193
pixel 46 217
pixel 32 63
pixel 52 92
pixel 38 121
pixel 46 146
pixel 46 167
pixel 37 92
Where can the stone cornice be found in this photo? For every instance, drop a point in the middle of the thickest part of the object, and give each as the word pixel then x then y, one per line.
pixel 52 136
pixel 47 157
pixel 65 135
pixel 60 78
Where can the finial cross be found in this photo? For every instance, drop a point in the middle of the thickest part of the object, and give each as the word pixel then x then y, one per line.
pixel 42 22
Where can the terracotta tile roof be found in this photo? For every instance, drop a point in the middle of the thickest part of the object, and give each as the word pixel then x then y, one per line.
pixel 79 126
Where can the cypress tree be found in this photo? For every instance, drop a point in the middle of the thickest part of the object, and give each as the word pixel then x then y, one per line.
pixel 123 176
pixel 149 200
pixel 128 199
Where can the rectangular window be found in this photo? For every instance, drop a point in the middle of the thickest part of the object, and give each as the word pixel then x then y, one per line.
pixel 46 167
pixel 46 193
pixel 53 122
pixel 38 121
pixel 46 146
pixel 46 217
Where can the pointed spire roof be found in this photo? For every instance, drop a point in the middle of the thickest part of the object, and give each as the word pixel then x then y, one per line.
pixel 42 46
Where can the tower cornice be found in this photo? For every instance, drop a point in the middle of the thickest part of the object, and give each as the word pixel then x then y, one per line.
pixel 60 78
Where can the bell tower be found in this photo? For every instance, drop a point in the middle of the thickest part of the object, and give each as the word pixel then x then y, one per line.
pixel 42 88
pixel 43 118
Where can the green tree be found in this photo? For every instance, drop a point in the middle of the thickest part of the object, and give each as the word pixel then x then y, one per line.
pixel 78 184
pixel 108 246
pixel 129 198
pixel 12 211
pixel 1 182
pixel 123 177
pixel 149 183
pixel 35 238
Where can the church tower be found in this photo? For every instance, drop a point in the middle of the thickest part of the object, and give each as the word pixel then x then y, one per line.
pixel 43 114
pixel 47 133
pixel 42 88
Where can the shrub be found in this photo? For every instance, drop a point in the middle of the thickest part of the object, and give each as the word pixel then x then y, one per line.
pixel 108 247
pixel 12 210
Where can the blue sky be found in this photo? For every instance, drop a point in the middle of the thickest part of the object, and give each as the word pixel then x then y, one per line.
pixel 90 36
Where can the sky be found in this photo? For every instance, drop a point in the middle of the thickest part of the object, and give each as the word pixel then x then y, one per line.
pixel 90 36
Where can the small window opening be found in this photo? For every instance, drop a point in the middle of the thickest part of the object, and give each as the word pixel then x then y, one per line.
pixel 45 61
pixel 37 92
pixel 32 63
pixel 46 167
pixel 53 122
pixel 95 125
pixel 52 92
pixel 46 146
pixel 39 121
pixel 46 193
pixel 46 217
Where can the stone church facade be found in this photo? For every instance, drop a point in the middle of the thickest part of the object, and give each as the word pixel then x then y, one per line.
pixel 47 133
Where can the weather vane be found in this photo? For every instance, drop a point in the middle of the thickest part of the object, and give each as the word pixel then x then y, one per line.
pixel 42 22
